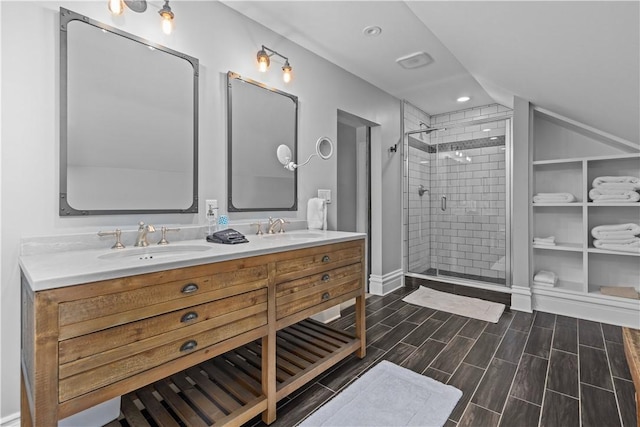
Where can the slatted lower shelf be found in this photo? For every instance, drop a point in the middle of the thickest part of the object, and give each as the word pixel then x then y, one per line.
pixel 228 387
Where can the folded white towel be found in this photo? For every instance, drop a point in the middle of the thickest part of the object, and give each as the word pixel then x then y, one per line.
pixel 603 195
pixel 316 214
pixel 616 231
pixel 547 277
pixel 613 182
pixel 627 247
pixel 542 240
pixel 632 240
pixel 554 198
pixel 544 243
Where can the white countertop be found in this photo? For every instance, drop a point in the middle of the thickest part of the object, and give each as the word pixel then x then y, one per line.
pixel 54 270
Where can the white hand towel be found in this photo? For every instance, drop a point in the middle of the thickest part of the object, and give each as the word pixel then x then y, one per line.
pixel 545 277
pixel 603 195
pixel 316 214
pixel 616 231
pixel 617 182
pixel 554 198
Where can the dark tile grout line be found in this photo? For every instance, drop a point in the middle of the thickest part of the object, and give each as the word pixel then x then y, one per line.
pixel 546 374
pixel 579 374
pixel 613 383
pixel 513 380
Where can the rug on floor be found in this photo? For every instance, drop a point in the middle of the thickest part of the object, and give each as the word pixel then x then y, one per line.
pixel 456 304
pixel 388 395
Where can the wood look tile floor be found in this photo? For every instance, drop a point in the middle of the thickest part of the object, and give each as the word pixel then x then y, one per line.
pixel 526 370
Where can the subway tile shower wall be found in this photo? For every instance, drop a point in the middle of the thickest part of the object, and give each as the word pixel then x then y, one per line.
pixel 467 166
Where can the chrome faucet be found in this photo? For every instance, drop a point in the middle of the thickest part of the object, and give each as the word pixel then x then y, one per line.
pixel 276 222
pixel 143 229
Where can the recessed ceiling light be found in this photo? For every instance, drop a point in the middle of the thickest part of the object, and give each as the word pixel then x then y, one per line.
pixel 372 31
pixel 486 130
pixel 493 138
pixel 415 60
pixel 463 99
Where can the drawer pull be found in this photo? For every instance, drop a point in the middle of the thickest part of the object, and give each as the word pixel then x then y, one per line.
pixel 325 296
pixel 190 288
pixel 326 278
pixel 189 345
pixel 326 258
pixel 188 317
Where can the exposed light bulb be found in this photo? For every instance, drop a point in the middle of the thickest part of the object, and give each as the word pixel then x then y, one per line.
pixel 116 7
pixel 286 72
pixel 167 18
pixel 167 25
pixel 263 61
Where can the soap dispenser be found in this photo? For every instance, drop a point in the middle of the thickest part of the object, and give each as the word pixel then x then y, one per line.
pixel 212 215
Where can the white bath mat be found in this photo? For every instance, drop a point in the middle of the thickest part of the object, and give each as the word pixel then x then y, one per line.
pixel 456 304
pixel 388 395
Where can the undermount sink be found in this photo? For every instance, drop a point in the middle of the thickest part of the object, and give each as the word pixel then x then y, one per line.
pixel 155 252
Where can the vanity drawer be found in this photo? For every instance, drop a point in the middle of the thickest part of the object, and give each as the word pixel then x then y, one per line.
pixel 139 346
pixel 298 295
pixel 99 312
pixel 318 260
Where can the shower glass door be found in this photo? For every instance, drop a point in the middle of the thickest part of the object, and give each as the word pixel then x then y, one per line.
pixel 458 221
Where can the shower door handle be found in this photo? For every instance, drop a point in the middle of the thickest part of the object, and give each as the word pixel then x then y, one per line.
pixel 443 203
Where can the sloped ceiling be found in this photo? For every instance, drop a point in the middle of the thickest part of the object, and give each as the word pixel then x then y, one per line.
pixel 580 59
pixel 577 59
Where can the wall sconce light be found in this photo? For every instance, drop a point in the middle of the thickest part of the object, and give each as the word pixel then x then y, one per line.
pixel 324 150
pixel 264 62
pixel 116 7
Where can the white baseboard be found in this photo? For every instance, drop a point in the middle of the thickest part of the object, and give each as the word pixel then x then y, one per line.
pixel 521 299
pixel 328 315
pixel 382 285
pixel 12 420
pixel 598 308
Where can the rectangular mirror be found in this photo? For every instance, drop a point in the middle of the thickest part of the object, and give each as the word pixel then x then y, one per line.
pixel 128 123
pixel 259 120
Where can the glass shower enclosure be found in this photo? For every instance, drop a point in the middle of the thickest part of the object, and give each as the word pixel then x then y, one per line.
pixel 457 201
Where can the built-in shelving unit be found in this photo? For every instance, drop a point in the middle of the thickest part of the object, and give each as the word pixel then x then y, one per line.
pixel 567 158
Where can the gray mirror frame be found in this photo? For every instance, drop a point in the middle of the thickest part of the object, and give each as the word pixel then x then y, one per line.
pixel 65 209
pixel 230 207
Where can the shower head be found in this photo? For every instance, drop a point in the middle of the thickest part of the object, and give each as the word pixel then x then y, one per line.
pixel 426 131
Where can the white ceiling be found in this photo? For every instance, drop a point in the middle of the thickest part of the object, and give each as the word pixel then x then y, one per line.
pixel 578 59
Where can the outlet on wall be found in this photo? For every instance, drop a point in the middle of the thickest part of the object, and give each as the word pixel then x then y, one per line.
pixel 325 194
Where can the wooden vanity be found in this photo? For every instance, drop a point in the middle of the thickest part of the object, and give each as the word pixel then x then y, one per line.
pixel 220 342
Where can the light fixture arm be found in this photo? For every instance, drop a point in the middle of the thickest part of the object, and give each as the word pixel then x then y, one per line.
pixel 271 52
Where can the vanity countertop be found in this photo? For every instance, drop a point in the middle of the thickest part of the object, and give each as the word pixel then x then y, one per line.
pixel 53 270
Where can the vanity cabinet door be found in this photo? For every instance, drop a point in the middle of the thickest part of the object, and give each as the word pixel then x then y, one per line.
pixel 102 358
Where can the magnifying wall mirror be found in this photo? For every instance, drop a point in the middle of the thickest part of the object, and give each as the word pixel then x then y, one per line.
pixel 128 123
pixel 324 150
pixel 260 119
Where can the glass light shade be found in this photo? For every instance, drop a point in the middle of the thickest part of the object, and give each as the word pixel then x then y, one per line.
pixel 263 61
pixel 116 7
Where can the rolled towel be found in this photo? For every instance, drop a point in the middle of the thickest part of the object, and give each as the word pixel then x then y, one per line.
pixel 316 214
pixel 554 198
pixel 600 195
pixel 616 231
pixel 617 182
pixel 612 245
pixel 545 277
pixel 551 240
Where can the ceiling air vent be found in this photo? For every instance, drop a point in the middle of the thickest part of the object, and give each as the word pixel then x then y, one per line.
pixel 415 60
